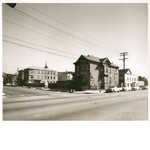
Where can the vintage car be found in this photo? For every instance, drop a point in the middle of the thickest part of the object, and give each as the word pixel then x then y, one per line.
pixel 135 88
pixel 126 88
pixel 113 89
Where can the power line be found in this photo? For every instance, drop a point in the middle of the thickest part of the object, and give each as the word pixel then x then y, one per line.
pixel 63 31
pixel 39 45
pixel 44 34
pixel 36 49
pixel 117 50
pixel 46 24
pixel 67 25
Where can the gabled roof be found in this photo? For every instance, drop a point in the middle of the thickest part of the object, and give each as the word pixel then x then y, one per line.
pixel 92 58
pixel 124 71
pixel 97 60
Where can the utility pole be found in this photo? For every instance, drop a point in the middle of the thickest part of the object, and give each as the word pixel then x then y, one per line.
pixel 124 54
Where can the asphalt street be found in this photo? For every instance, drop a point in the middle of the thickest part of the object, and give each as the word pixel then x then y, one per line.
pixel 22 104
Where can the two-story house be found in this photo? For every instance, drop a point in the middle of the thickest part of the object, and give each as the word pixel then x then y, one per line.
pixel 127 79
pixel 100 72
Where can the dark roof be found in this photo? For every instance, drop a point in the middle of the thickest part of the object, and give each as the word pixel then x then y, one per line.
pixel 114 65
pixel 124 71
pixel 92 58
pixel 98 60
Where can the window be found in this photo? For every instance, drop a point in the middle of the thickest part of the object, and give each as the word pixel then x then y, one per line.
pixel 87 66
pixel 109 80
pixel 54 77
pixel 109 70
pixel 106 69
pixel 116 72
pixel 45 77
pixel 51 77
pixel 77 68
pixel 31 77
pixel 41 71
pixel 31 72
pixel 38 71
pixel 82 67
pixel 101 68
pixel 48 77
pixel 106 80
pixel 38 77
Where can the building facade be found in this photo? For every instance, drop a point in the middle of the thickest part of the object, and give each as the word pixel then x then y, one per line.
pixel 98 73
pixel 127 79
pixel 36 75
pixel 65 76
pixel 6 78
pixel 14 78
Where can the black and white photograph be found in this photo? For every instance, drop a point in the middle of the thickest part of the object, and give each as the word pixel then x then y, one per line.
pixel 75 61
pixel 75 75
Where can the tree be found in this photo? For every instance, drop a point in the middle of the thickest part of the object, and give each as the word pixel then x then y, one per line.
pixel 82 81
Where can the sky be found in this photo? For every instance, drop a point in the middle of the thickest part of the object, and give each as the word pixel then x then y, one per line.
pixel 58 33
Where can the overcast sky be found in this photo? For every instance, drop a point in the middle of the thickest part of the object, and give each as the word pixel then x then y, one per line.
pixel 67 31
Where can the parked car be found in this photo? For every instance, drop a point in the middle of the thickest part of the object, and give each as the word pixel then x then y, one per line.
pixel 135 88
pixel 144 88
pixel 8 84
pixel 13 84
pixel 126 88
pixel 113 89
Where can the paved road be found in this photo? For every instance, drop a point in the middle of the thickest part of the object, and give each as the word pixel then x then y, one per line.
pixel 47 105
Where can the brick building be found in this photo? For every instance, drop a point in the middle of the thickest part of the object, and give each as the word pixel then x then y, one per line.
pixel 36 75
pixel 99 73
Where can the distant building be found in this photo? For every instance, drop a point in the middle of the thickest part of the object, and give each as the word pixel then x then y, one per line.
pixel 36 75
pixel 65 76
pixel 10 78
pixel 6 78
pixel 21 78
pixel 127 79
pixel 143 81
pixel 96 73
pixel 14 78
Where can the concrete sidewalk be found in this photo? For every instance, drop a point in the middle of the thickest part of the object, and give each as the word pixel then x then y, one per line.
pixel 90 92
